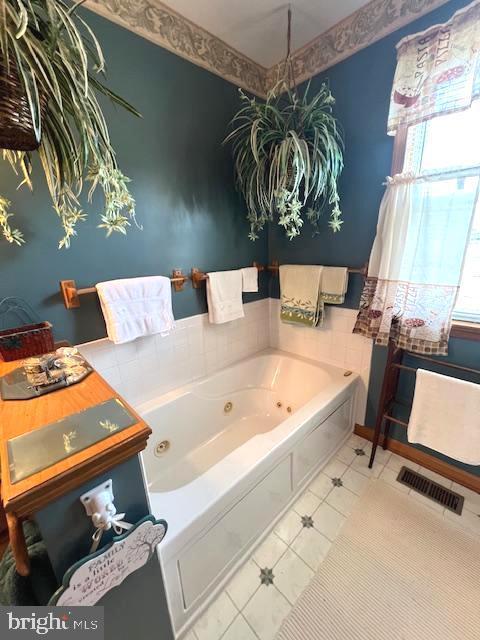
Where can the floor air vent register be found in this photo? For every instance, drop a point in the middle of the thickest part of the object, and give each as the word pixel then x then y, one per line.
pixel 430 489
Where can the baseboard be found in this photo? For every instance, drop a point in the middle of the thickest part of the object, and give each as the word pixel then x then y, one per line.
pixel 444 469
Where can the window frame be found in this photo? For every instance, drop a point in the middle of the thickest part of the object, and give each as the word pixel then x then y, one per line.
pixel 460 328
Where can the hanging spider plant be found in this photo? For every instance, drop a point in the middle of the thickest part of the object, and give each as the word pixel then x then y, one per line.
pixel 288 154
pixel 50 69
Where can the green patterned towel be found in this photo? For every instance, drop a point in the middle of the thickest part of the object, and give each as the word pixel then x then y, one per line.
pixel 300 294
pixel 334 285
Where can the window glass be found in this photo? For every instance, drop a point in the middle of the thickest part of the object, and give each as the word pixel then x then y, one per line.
pixel 450 145
pixel 468 301
pixel 452 141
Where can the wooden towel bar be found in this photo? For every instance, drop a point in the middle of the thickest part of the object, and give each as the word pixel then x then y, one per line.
pixel 71 294
pixel 274 267
pixel 198 276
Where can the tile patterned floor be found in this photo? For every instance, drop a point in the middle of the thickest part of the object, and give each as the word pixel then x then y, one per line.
pixel 262 592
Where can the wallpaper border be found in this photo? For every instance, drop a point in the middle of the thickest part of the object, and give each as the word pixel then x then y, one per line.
pixel 365 26
pixel 163 26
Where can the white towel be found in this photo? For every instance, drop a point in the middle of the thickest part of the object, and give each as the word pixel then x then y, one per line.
pixel 224 296
pixel 134 307
pixel 249 279
pixel 334 284
pixel 446 416
pixel 300 294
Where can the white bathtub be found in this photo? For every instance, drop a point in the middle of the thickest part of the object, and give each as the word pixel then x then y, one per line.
pixel 228 475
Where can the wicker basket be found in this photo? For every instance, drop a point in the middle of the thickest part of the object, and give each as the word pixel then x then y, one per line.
pixel 28 340
pixel 16 126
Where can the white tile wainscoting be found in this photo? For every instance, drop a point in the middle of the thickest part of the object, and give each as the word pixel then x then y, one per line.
pixel 148 367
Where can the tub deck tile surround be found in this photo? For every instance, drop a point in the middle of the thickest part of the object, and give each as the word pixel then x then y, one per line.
pixel 332 343
pixel 18 417
pixel 148 367
pixel 151 366
pixel 256 610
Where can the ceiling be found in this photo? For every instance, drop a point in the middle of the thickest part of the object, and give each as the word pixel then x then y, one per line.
pixel 257 28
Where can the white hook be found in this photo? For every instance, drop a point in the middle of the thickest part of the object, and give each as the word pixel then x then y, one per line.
pixel 98 503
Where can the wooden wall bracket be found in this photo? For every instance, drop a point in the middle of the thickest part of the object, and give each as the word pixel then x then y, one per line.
pixel 69 292
pixel 197 277
pixel 178 280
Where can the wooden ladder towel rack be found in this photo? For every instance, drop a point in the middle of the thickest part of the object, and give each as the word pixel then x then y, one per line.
pixel 388 393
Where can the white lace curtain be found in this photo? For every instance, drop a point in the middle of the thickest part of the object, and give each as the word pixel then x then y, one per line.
pixel 438 70
pixel 424 222
pixel 416 262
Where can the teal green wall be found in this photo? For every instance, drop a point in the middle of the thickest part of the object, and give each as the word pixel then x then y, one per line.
pixel 182 181
pixel 361 85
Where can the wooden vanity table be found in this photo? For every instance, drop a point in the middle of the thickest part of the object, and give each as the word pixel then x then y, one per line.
pixel 18 417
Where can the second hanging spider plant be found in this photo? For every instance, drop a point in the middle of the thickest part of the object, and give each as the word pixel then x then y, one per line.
pixel 288 154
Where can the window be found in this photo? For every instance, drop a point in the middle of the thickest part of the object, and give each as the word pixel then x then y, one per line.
pixel 449 147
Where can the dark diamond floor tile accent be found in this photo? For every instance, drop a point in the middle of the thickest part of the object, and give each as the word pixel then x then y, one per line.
pixel 307 522
pixel 337 482
pixel 359 452
pixel 266 576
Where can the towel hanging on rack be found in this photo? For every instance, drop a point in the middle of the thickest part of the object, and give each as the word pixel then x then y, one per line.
pixel 224 296
pixel 249 279
pixel 334 285
pixel 134 307
pixel 300 294
pixel 446 416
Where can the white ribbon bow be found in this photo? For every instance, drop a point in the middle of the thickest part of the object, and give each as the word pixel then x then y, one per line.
pixel 114 521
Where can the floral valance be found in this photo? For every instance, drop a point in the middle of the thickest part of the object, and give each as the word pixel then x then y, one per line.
pixel 438 70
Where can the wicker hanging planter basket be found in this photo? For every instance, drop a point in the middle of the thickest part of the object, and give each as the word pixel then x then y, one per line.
pixel 16 126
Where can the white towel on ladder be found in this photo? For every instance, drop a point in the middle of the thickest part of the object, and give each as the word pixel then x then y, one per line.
pixel 445 416
pixel 134 307
pixel 224 296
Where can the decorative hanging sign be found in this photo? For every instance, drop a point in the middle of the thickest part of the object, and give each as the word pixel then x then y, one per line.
pixel 91 578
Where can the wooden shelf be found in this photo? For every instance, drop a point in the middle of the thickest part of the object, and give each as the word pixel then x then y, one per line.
pixel 23 416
